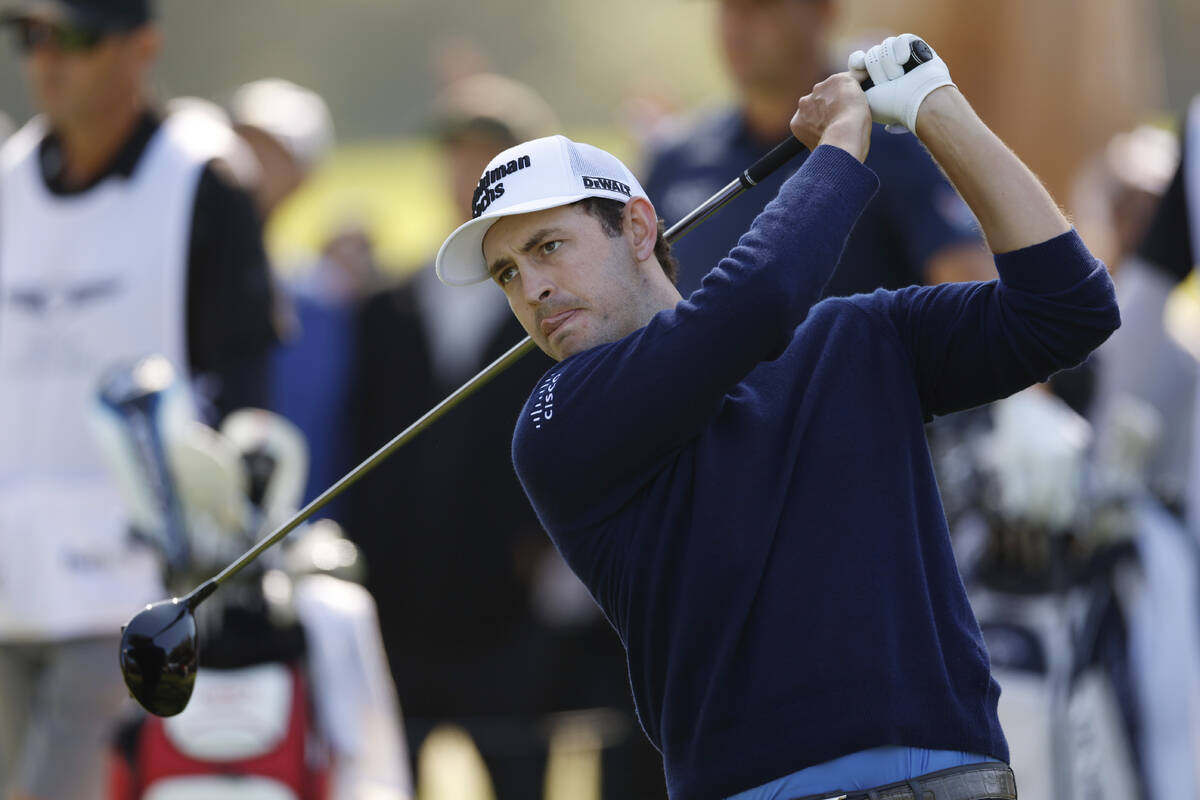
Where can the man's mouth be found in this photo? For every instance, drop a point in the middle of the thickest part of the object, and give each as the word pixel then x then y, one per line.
pixel 550 324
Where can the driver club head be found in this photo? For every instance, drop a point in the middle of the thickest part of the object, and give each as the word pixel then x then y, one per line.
pixel 159 656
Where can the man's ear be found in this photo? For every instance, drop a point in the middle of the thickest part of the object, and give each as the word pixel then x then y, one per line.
pixel 643 227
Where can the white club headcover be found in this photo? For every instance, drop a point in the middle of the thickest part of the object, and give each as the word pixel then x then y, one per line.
pixel 211 482
pixel 255 430
pixel 1036 454
pixel 897 96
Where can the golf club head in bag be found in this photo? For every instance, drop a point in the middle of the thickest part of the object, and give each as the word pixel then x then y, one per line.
pixel 138 407
pixel 183 484
pixel 275 455
pixel 276 458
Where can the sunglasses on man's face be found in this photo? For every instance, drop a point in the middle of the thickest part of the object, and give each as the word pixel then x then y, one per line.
pixel 32 34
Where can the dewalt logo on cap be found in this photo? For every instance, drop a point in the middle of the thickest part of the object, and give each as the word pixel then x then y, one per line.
pixel 607 184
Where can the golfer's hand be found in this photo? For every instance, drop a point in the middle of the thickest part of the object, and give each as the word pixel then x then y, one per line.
pixel 835 113
pixel 897 95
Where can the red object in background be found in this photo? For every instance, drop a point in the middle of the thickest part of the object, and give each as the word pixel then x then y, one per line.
pixel 155 757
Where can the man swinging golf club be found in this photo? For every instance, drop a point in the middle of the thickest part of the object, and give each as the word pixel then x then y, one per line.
pixel 741 477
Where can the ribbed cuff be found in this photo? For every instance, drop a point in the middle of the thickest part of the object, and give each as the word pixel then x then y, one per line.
pixel 1052 266
pixel 835 167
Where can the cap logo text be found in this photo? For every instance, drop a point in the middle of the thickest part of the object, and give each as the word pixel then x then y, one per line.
pixel 607 184
pixel 490 185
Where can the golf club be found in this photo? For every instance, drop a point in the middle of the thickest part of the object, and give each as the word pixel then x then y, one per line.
pixel 136 402
pixel 159 652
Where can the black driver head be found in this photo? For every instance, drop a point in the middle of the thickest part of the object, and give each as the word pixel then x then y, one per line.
pixel 159 655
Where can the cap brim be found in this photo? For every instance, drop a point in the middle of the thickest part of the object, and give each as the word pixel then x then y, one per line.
pixel 460 260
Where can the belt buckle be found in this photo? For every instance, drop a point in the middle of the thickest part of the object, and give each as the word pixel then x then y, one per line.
pixel 838 797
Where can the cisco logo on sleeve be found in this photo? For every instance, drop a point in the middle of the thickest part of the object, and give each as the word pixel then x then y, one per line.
pixel 543 402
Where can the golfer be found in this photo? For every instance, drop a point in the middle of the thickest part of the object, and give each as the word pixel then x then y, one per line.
pixel 741 478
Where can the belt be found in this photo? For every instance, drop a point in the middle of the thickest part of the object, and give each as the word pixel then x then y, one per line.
pixel 986 781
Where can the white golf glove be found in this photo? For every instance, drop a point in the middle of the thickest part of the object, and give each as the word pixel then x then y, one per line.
pixel 896 95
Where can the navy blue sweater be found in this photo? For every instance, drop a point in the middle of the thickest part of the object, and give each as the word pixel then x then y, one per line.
pixel 744 486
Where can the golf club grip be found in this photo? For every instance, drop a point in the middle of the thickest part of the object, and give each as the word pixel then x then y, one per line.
pixel 919 53
pixel 780 154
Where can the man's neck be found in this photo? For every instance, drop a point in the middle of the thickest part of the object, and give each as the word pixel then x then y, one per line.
pixel 769 109
pixel 89 146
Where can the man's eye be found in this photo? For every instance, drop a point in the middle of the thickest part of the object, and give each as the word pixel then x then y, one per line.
pixel 551 246
pixel 506 275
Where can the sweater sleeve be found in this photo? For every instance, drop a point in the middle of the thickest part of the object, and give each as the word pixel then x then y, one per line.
pixel 972 343
pixel 599 420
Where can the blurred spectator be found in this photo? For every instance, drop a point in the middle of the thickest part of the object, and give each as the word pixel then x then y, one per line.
pixel 456 57
pixel 455 548
pixel 1116 193
pixel 1153 253
pixel 652 114
pixel 1115 196
pixel 290 130
pixel 236 154
pixel 916 230
pixel 109 211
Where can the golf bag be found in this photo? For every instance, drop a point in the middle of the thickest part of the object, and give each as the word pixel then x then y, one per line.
pixel 1063 552
pixel 289 703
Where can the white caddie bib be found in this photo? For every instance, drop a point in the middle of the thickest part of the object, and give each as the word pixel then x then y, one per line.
pixel 87 282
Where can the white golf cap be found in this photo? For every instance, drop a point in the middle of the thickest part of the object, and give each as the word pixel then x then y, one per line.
pixel 297 118
pixel 539 174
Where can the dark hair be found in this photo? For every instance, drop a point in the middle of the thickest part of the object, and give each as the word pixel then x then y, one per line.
pixel 612 220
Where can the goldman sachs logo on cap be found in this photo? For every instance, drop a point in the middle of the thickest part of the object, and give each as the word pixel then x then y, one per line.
pixel 491 185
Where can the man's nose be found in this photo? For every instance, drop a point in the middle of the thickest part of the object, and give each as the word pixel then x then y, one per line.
pixel 538 286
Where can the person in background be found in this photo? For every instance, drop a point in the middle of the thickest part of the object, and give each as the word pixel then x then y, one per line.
pixel 916 231
pixel 290 130
pixel 1155 255
pixel 108 209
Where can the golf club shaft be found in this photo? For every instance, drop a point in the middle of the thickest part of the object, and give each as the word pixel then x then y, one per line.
pixel 778 156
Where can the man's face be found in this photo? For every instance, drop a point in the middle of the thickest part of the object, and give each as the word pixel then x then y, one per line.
pixel 72 84
pixel 278 175
pixel 570 284
pixel 770 44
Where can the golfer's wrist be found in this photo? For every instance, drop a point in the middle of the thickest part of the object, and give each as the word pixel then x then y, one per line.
pixel 848 135
pixel 943 114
